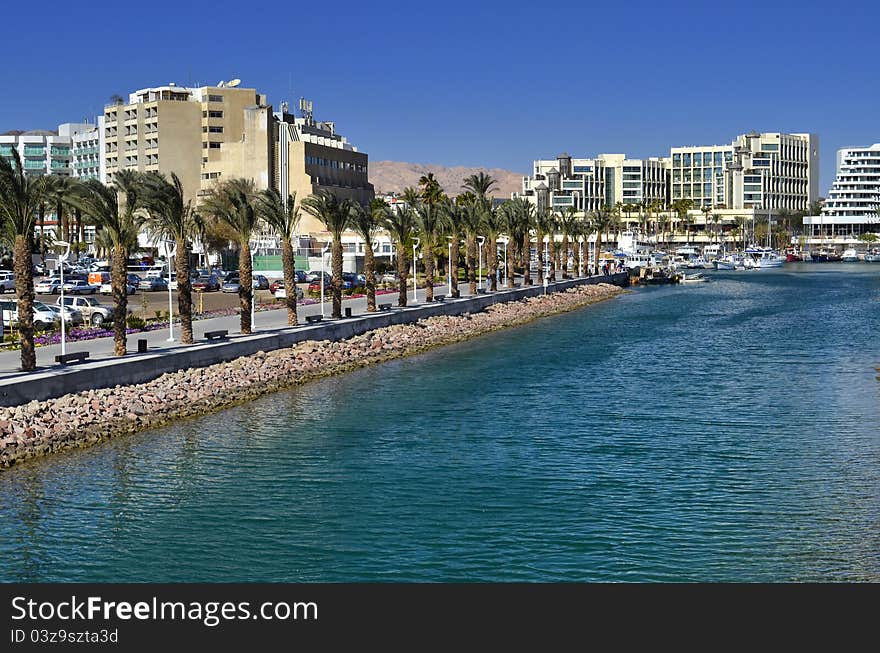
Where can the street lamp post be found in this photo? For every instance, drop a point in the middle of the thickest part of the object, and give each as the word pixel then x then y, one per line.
pixel 449 268
pixel 416 243
pixel 62 258
pixel 170 251
pixel 323 255
pixel 546 264
pixel 480 241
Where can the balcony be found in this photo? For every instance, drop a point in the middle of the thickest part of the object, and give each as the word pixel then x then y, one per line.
pixel 60 165
pixel 60 151
pixel 6 150
pixel 35 151
pixel 34 165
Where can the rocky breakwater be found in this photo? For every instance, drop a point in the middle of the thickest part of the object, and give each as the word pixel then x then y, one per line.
pixel 85 418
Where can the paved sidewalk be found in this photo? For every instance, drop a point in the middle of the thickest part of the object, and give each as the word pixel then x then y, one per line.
pixel 101 348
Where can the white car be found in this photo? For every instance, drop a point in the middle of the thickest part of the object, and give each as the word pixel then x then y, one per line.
pixel 107 288
pixel 43 317
pixel 7 282
pixel 79 287
pixel 48 286
pixel 92 310
pixel 281 293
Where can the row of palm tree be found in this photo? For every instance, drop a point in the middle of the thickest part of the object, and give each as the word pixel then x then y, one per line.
pixel 136 202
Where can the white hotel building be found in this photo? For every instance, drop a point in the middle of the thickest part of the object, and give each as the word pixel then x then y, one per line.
pixel 852 205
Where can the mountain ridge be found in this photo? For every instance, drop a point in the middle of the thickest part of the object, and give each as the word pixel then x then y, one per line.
pixel 394 176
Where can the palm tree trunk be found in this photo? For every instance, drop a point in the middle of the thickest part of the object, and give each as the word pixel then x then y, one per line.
pixel 429 272
pixel 527 259
pixel 245 285
pixel 598 248
pixel 80 226
pixel 24 289
pixel 493 264
pixel 184 291
pixel 564 264
pixel 471 261
pixel 42 218
pixel 287 264
pixel 336 265
pixel 120 299
pixel 453 262
pixel 401 274
pixel 370 272
pixel 576 255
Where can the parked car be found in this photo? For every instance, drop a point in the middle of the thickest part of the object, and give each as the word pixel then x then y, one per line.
pixel 314 276
pixel 300 276
pixel 231 284
pixel 153 284
pixel 7 282
pixel 206 283
pixel 43 317
pixel 48 286
pixel 281 293
pixel 260 282
pixel 79 287
pixel 72 316
pixel 92 310
pixel 107 288
pixel 389 277
pixel 315 286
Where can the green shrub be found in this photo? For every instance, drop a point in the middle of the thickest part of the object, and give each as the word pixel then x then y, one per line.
pixel 135 322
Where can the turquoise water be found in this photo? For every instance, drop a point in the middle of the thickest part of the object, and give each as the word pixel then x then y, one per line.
pixel 727 431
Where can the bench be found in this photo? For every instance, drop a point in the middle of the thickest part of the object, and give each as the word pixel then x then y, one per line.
pixel 481 291
pixel 384 307
pixel 439 298
pixel 72 357
pixel 313 318
pixel 219 333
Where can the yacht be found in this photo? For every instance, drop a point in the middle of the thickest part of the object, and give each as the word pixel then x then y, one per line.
pixel 637 260
pixel 728 262
pixel 872 256
pixel 764 257
pixel 850 256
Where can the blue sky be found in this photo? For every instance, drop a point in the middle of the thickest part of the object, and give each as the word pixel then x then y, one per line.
pixel 472 83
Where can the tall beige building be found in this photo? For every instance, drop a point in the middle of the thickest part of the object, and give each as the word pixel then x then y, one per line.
pixel 202 134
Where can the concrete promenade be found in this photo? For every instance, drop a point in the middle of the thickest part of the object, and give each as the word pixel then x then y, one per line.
pixel 105 370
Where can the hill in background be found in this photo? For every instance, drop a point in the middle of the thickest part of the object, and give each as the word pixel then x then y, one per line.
pixel 394 176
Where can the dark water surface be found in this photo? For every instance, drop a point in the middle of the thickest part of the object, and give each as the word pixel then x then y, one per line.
pixel 725 431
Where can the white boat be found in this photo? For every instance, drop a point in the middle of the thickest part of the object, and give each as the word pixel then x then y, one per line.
pixel 700 263
pixel 850 256
pixel 698 277
pixel 728 262
pixel 638 260
pixel 763 257
pixel 872 256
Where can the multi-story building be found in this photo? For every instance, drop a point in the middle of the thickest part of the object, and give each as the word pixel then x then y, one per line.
pixel 851 208
pixel 591 184
pixel 312 156
pixel 765 172
pixel 86 148
pixel 202 134
pixel 42 152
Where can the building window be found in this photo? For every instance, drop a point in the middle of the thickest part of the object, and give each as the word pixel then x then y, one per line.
pixel 215 98
pixel 215 114
pixel 215 130
pixel 214 146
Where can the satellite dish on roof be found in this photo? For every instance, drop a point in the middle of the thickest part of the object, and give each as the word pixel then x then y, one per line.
pixel 232 83
pixel 221 84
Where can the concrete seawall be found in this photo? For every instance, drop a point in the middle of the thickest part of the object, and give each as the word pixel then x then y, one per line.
pixel 140 368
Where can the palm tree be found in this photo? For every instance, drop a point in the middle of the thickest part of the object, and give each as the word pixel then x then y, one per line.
pixel 470 221
pixel 116 211
pixel 171 217
pixel 601 223
pixel 400 224
pixel 366 221
pixel 283 216
pixel 453 218
pixel 480 184
pixel 706 211
pixel 429 219
pixel 567 225
pixel 20 197
pixel 335 214
pixel 232 205
pixel 545 225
